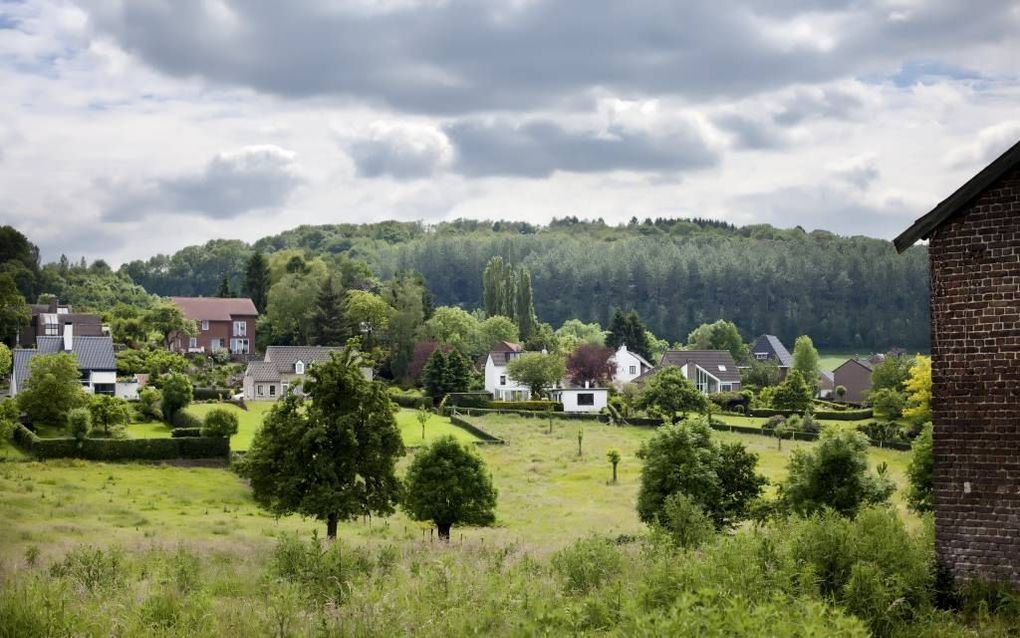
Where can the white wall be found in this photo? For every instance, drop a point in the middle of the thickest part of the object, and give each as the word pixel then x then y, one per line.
pixel 127 390
pixel 569 399
pixel 499 390
pixel 624 360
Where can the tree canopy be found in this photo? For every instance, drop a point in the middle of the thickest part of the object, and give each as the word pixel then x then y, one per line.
pixel 720 335
pixel 537 370
pixel 53 388
pixel 669 393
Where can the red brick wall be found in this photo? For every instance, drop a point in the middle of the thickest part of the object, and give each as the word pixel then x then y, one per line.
pixel 220 330
pixel 975 302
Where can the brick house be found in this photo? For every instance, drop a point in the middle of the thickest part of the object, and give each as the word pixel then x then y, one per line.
pixel 221 324
pixel 283 369
pixel 711 371
pixel 855 376
pixel 48 320
pixel 770 348
pixel 974 276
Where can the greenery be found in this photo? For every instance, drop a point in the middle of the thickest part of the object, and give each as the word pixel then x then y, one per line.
pixel 6 358
pixel 684 458
pixel 52 389
pixel 918 389
pixel 806 361
pixel 109 414
pixel 332 459
pixel 669 393
pixel 79 423
pixel 834 475
pixel 445 373
pixel 14 311
pixel 448 484
pixel 220 423
pixel 921 472
pixel 150 404
pixel 793 394
pixel 720 335
pixel 685 521
pixel 257 280
pixel 628 329
pixel 167 320
pixel 536 370
pixel 177 393
pixel 760 374
pixel 887 403
pixel 507 292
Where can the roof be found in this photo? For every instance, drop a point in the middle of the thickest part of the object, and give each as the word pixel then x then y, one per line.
pixel 718 363
pixel 640 359
pixel 92 353
pixel 501 351
pixel 861 362
pixel 284 357
pixel 215 308
pixel 923 227
pixel 775 347
pixel 262 371
pixel 827 379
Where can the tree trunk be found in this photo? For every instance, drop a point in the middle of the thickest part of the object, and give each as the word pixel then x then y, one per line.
pixel 614 472
pixel 444 531
pixel 331 522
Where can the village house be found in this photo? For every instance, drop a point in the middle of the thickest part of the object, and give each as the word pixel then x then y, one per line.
pixel 222 324
pixel 628 365
pixel 711 371
pixel 48 320
pixel 497 382
pixel 283 369
pixel 974 274
pixel 94 355
pixel 855 376
pixel 770 348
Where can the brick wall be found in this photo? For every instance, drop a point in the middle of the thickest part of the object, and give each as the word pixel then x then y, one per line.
pixel 975 297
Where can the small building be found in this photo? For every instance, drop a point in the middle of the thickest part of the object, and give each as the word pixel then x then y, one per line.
pixel 222 324
pixel 974 275
pixel 497 381
pixel 283 369
pixel 628 365
pixel 581 399
pixel 94 355
pixel 48 320
pixel 770 348
pixel 855 376
pixel 711 371
pixel 826 384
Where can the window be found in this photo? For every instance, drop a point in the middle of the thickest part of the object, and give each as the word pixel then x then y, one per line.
pixel 205 324
pixel 633 370
pixel 240 328
pixel 704 381
pixel 239 346
pixel 299 367
pixel 272 390
pixel 585 398
pixel 722 368
pixel 216 345
pixel 192 343
pixel 260 390
pixel 502 379
pixel 761 356
pixel 286 386
pixel 52 329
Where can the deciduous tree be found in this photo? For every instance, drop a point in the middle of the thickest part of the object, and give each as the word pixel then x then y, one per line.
pixel 220 422
pixel 590 363
pixel 918 388
pixel 720 335
pixel 921 473
pixel 52 389
pixel 805 361
pixel 669 393
pixel 167 320
pixel 14 311
pixel 177 393
pixel 109 414
pixel 793 394
pixel 536 370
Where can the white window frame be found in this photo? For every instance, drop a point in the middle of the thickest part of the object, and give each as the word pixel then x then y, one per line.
pixel 239 346
pixel 761 356
pixel 51 325
pixel 205 325
pixel 192 343
pixel 240 328
pixel 299 367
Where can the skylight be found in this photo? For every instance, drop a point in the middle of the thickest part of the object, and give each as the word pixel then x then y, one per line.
pixel 722 368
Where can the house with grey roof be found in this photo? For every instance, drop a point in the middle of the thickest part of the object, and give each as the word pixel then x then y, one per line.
pixel 711 371
pixel 770 348
pixel 282 370
pixel 94 356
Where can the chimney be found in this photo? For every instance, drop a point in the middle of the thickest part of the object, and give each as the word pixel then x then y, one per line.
pixel 68 337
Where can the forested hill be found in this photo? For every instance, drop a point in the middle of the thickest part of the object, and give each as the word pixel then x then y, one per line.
pixel 851 292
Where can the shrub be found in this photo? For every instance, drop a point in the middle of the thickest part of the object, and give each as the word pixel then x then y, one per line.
pixel 326 574
pixel 210 394
pixel 109 414
pixel 123 449
pixel 684 521
pixel 92 568
pixel 79 423
pixel 469 399
pixel 220 422
pixel 809 424
pixel 180 433
pixel 185 419
pixel 149 404
pixel 588 564
pixel 177 394
pixel 921 473
pixel 773 422
pixel 412 401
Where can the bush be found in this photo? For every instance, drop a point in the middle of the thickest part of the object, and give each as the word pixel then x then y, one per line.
pixel 211 394
pixel 773 422
pixel 179 433
pixel 177 394
pixel 79 423
pixel 412 401
pixel 92 568
pixel 921 473
pixel 731 401
pixel 149 404
pixel 325 574
pixel 469 399
pixel 185 419
pixel 122 449
pixel 220 422
pixel 684 521
pixel 843 415
pixel 809 424
pixel 588 564
pixel 527 406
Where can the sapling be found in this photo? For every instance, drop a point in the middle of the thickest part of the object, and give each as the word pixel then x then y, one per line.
pixel 423 418
pixel 580 438
pixel 614 458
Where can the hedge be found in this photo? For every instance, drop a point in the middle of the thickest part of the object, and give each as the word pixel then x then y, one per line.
pixel 474 429
pixel 412 401
pixel 469 399
pixel 122 449
pixel 212 394
pixel 184 419
pixel 538 406
pixel 180 433
pixel 845 415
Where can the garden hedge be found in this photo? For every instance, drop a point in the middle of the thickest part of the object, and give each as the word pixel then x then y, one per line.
pixel 412 401
pixel 469 399
pixel 180 433
pixel 212 394
pixel 844 415
pixel 122 449
pixel 528 406
pixel 484 436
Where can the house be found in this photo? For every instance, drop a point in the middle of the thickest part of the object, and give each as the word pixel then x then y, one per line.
pixel 221 324
pixel 628 365
pixel 48 320
pixel 974 272
pixel 94 356
pixel 284 368
pixel 710 370
pixel 497 381
pixel 855 376
pixel 581 398
pixel 770 348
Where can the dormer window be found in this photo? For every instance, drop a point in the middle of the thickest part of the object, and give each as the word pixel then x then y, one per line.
pixel 299 367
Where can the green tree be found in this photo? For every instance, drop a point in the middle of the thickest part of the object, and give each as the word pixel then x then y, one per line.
pixel 574 333
pixel 6 358
pixel 220 422
pixel 291 308
pixel 720 335
pixel 405 294
pixel 14 311
pixel 793 394
pixel 458 372
pixel 334 457
pixel 257 280
pixel 760 374
pixel 536 370
pixel 921 472
pixel 497 288
pixel 614 460
pixel 79 423
pixel 369 316
pixel 454 327
pixel 224 290
pixel 423 419
pixel 833 474
pixel 887 403
pixel 329 325
pixel 434 375
pixel 892 373
pixel 669 393
pixel 9 413
pixel 177 394
pixel 805 361
pixel 628 329
pixel 53 388
pixel 497 328
pixel 685 521
pixel 524 305
pixel 685 459
pixel 448 484
pixel 918 389
pixel 150 404
pixel 109 414
pixel 167 320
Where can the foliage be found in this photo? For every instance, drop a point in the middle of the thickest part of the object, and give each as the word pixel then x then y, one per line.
pixel 109 414
pixel 614 460
pixel 177 393
pixel 628 329
pixel 150 404
pixel 104 449
pixel 891 373
pixel 52 389
pixel 574 333
pixel 448 484
pixel 456 328
pixel 834 474
pixel 918 389
pixel 760 374
pixel 166 319
pixel 668 393
pixel 14 311
pixel 152 361
pixel 220 423
pixel 685 521
pixel 329 325
pixel 536 370
pixel 720 335
pixel 684 459
pixel 6 359
pixel 369 315
pixel 9 414
pixel 446 373
pixel 507 292
pixel 334 458
pixel 921 472
pixel 19 260
pixel 590 363
pixel 257 281
pixel 588 564
pixel 887 403
pixel 290 308
pixel 793 393
pixel 405 293
pixel 495 329
pixel 79 423
pixel 805 361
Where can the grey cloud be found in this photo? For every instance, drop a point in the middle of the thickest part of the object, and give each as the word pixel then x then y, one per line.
pixel 399 151
pixel 810 103
pixel 231 184
pixel 539 147
pixel 751 133
pixel 858 171
pixel 460 56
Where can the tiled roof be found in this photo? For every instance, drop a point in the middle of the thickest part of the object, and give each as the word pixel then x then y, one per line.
pixel 718 363
pixel 827 380
pixel 262 371
pixel 92 353
pixel 772 345
pixel 215 308
pixel 20 367
pixel 284 357
pixel 502 350
pixel 864 363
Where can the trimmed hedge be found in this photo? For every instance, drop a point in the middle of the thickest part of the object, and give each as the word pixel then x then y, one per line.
pixel 122 449
pixel 181 433
pixel 184 419
pixel 845 415
pixel 412 401
pixel 474 429
pixel 469 399
pixel 212 394
pixel 528 406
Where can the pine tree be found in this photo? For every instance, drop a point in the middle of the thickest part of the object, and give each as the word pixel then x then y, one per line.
pixel 434 374
pixel 329 325
pixel 224 289
pixel 525 306
pixel 257 280
pixel 617 330
pixel 637 335
pixel 458 372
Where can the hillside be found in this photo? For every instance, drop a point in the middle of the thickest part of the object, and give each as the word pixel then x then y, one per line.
pixel 846 292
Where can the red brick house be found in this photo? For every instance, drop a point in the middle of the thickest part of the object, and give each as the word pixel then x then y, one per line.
pixel 855 376
pixel 221 324
pixel 974 254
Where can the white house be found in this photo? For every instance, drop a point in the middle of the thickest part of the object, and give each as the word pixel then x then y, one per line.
pixel 629 365
pixel 283 368
pixel 586 398
pixel 497 381
pixel 94 356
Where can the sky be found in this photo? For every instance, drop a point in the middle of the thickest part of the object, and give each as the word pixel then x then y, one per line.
pixel 135 127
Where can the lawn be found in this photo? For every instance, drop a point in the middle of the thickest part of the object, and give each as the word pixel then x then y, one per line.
pixel 248 421
pixel 436 426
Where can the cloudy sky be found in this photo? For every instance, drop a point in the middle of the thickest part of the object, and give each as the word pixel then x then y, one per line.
pixel 131 127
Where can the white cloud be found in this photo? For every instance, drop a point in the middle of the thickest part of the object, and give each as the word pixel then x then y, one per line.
pixel 988 144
